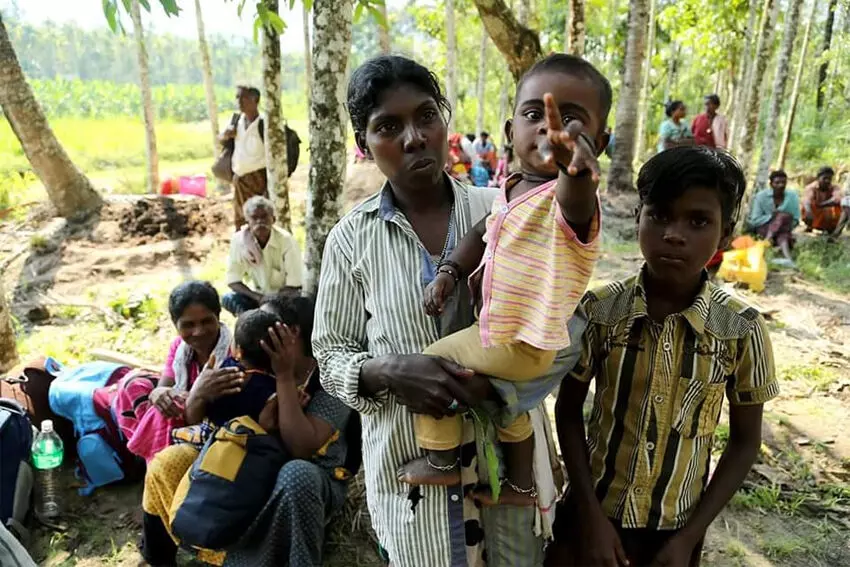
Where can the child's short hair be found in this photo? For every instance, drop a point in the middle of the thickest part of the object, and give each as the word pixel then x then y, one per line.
pixel 672 107
pixel 251 328
pixel 826 170
pixel 776 174
pixel 672 172
pixel 573 65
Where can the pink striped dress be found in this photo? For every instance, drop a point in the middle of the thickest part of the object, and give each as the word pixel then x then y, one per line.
pixel 535 270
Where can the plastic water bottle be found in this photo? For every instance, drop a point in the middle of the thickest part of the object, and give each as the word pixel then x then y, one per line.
pixel 47 453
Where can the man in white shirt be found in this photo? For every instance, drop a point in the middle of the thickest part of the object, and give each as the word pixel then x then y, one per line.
pixel 249 152
pixel 263 255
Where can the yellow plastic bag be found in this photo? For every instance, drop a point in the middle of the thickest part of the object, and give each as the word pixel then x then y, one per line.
pixel 746 265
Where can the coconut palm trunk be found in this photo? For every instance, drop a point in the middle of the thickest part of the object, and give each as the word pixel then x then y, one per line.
pixel 451 59
pixel 308 57
pixel 825 46
pixel 625 123
pixel 275 134
pixel 743 76
pixel 643 112
pixel 384 31
pixel 762 54
pixel 206 66
pixel 331 47
pixel 151 153
pixel 482 80
pixel 792 22
pixel 519 45
pixel 70 191
pixel 575 33
pixel 795 90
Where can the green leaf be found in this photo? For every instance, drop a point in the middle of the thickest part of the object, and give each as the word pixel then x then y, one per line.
pixel 126 5
pixel 308 4
pixel 145 4
pixel 291 4
pixel 378 16
pixel 276 22
pixel 240 8
pixel 490 455
pixel 258 23
pixel 110 10
pixel 170 6
pixel 358 12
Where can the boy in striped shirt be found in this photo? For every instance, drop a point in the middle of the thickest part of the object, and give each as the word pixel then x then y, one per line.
pixel 535 253
pixel 664 346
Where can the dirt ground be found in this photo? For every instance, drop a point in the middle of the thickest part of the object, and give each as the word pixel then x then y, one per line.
pixel 793 512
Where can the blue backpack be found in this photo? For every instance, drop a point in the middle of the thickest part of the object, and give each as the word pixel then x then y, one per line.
pixel 16 474
pixel 101 455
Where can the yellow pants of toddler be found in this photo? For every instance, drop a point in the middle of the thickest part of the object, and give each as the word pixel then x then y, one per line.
pixel 518 362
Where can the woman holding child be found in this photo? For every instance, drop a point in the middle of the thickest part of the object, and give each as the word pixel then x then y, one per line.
pixel 274 380
pixel 371 324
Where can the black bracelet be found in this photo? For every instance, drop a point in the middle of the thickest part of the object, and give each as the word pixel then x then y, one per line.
pixel 450 271
pixel 453 265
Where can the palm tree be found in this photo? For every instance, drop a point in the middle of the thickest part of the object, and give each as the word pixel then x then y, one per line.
pixel 384 30
pixel 827 42
pixel 451 58
pixel 743 75
pixel 625 122
pixel 331 47
pixel 209 86
pixel 762 55
pixel 575 32
pixel 147 97
pixel 643 103
pixel 69 190
pixel 482 80
pixel 792 22
pixel 275 134
pixel 308 59
pixel 795 90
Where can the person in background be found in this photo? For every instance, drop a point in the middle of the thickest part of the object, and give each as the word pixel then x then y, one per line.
pixel 674 131
pixel 664 346
pixel 264 254
pixel 485 151
pixel 822 203
pixel 774 213
pixel 710 128
pixel 249 151
pixel 503 168
pixel 458 162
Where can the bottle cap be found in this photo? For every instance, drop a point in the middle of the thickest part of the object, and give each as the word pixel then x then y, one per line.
pixel 47 426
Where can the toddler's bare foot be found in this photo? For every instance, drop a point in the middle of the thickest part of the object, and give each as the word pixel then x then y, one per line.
pixel 507 496
pixel 420 471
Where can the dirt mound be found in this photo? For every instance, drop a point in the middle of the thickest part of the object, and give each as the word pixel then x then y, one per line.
pixel 163 218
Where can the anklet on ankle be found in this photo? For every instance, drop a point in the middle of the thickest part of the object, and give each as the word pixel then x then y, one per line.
pixel 441 468
pixel 532 492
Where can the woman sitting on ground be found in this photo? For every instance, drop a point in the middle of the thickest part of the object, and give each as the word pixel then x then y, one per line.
pixel 147 410
pixel 317 429
pixel 774 213
pixel 822 203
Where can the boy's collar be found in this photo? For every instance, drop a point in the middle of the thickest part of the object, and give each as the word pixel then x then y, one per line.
pixel 696 314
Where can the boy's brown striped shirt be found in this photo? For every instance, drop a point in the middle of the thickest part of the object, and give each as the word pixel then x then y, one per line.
pixel 659 391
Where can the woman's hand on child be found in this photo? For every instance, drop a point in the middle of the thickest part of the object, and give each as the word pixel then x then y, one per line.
pixel 282 348
pixel 214 383
pixel 568 147
pixel 168 401
pixel 437 292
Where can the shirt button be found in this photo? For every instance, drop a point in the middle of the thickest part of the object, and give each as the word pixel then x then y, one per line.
pixel 504 209
pixel 667 347
pixel 638 490
pixel 659 399
pixel 455 497
pixel 650 446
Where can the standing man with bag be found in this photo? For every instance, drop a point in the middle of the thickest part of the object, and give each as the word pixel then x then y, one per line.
pixel 245 137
